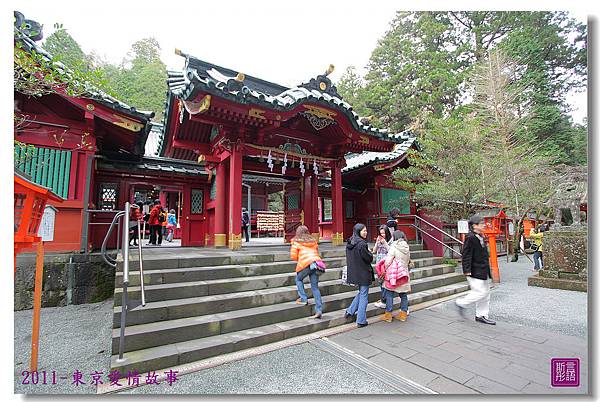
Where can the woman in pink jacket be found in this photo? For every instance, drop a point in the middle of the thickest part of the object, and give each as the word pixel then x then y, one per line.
pixel 395 269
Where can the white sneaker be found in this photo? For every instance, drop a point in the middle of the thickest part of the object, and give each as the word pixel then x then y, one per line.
pixel 379 304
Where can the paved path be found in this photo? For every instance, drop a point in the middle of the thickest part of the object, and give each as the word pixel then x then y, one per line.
pixel 435 348
pixel 441 351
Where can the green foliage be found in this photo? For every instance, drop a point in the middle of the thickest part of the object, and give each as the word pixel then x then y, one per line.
pixel 140 80
pixel 423 63
pixel 445 176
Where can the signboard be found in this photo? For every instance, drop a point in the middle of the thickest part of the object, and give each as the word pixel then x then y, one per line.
pixel 46 229
pixel 463 226
pixel 511 228
pixel 392 198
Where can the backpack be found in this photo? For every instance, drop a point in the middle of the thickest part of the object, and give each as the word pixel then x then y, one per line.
pixel 161 217
pixel 245 218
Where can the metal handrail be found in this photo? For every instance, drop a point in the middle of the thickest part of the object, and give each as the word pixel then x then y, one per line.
pixel 113 262
pixel 421 231
pixel 437 240
pixel 105 256
pixel 438 229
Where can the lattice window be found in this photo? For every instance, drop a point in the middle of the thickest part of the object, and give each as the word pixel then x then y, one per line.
pixel 197 202
pixel 108 196
pixel 293 201
pixel 349 209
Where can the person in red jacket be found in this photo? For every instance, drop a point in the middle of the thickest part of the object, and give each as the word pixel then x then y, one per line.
pixel 134 216
pixel 155 224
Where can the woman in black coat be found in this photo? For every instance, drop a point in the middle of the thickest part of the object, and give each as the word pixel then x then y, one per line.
pixel 360 272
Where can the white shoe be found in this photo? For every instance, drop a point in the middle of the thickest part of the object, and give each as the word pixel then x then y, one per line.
pixel 379 304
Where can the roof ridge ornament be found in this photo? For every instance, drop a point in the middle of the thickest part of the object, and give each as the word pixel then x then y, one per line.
pixel 323 84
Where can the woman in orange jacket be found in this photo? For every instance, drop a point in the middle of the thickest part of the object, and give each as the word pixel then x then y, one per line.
pixel 305 250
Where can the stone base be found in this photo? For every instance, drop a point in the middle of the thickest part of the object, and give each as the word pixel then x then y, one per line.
pixel 555 283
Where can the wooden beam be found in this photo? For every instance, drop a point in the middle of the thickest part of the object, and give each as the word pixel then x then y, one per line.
pixel 198 147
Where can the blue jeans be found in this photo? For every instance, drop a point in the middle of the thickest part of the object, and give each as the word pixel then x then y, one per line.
pixel 388 295
pixel 538 260
pixel 314 285
pixel 359 304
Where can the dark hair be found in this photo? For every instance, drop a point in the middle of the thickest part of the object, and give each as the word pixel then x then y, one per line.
pixel 399 235
pixel 388 235
pixel 157 202
pixel 356 237
pixel 243 209
pixel 172 211
pixel 303 235
pixel 394 212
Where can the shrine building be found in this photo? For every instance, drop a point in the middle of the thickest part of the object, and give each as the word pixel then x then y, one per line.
pixel 227 141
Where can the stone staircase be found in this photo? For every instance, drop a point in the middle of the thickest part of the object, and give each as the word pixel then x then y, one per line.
pixel 201 307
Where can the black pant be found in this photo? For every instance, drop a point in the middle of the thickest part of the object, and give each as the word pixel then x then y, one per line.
pixel 134 232
pixel 246 230
pixel 154 231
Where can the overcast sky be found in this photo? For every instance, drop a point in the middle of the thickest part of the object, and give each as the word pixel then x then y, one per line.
pixel 283 42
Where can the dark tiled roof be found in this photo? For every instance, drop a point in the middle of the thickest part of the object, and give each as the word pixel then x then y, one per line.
pixel 157 164
pixel 355 161
pixel 91 92
pixel 199 75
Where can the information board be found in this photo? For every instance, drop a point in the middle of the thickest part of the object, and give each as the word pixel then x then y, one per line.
pixel 392 198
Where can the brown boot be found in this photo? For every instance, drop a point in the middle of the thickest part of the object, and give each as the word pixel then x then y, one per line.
pixel 401 316
pixel 387 316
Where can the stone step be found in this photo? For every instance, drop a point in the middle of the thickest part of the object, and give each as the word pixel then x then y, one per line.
pixel 201 259
pixel 190 261
pixel 177 353
pixel 183 290
pixel 176 275
pixel 188 307
pixel 178 330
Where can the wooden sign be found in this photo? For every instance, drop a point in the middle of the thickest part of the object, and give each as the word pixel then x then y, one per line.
pixel 46 229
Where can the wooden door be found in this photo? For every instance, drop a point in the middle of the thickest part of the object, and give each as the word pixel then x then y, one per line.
pixel 294 215
pixel 193 222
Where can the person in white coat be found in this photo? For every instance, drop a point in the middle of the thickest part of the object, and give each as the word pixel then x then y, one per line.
pixel 400 252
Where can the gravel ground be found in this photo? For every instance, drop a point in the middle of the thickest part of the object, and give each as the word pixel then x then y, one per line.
pixel 562 311
pixel 299 369
pixel 71 338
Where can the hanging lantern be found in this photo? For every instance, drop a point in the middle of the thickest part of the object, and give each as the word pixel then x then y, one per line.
pixel 284 167
pixel 302 166
pixel 270 161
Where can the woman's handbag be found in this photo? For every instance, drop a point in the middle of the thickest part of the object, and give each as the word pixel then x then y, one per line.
pixel 318 266
pixel 345 276
pixel 534 247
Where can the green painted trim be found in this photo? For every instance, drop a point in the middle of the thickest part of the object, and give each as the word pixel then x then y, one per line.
pixel 50 177
pixel 27 169
pixel 67 175
pixel 37 165
pixel 45 170
pixel 59 173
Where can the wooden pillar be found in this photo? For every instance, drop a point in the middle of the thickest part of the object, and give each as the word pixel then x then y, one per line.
pixel 235 197
pixel 220 235
pixel 337 236
pixel 37 305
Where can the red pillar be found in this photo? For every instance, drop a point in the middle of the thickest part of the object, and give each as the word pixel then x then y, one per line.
pixel 337 237
pixel 220 234
pixel 235 197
